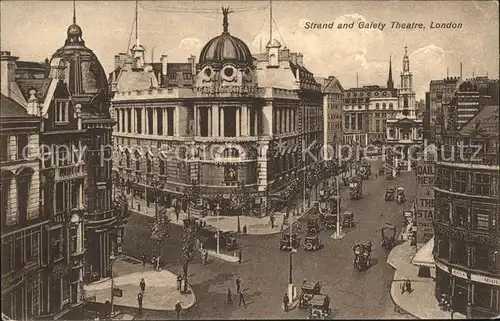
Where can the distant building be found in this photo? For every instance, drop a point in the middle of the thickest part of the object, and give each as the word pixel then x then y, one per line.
pixel 404 131
pixel 489 87
pixel 24 224
pixel 332 113
pixel 466 218
pixel 441 93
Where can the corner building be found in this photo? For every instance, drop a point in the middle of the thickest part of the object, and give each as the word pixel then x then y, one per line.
pixel 243 120
pixel 466 220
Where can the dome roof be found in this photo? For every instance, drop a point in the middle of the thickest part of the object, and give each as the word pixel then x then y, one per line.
pixel 226 48
pixel 85 74
pixel 273 43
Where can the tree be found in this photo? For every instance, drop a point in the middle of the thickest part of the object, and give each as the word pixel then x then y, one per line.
pixel 160 230
pixel 121 208
pixel 188 245
pixel 192 194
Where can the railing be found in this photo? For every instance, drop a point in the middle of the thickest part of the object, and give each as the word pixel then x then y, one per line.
pixel 100 216
pixel 467 156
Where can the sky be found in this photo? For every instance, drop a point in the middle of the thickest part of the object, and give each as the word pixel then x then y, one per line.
pixel 34 30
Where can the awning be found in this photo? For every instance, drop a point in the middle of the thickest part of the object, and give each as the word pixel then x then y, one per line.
pixel 424 256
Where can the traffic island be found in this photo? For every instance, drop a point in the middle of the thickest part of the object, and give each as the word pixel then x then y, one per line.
pixel 222 256
pixel 161 292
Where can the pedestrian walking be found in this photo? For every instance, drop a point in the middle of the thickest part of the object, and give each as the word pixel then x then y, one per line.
pixel 229 296
pixel 158 263
pixel 179 281
pixel 238 285
pixel 178 309
pixel 402 286
pixel 408 286
pixel 242 299
pixel 271 220
pixel 239 256
pixel 286 301
pixel 244 230
pixel 139 300
pixel 144 260
pixel 142 285
pixel 205 257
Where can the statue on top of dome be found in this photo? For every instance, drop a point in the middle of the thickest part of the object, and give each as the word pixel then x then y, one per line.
pixel 225 23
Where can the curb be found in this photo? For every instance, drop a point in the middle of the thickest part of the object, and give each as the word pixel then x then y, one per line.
pixel 221 256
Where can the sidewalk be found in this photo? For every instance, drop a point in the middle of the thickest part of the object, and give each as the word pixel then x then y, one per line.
pixel 255 225
pixel 421 303
pixel 161 287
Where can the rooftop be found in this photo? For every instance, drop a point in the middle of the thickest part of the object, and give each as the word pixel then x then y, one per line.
pixel 485 123
pixel 10 108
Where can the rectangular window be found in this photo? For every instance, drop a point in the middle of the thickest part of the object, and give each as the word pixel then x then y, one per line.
pixel 7 255
pixel 460 218
pixel 61 111
pixel 203 122
pixel 4 148
pixel 444 248
pixel 22 146
pixel 346 122
pixel 460 252
pixel 186 76
pixel 65 290
pixel 460 181
pixel 482 184
pixel 170 121
pixel 482 258
pixel 481 219
pixel 446 179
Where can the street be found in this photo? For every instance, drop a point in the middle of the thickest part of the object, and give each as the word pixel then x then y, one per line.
pixel 264 270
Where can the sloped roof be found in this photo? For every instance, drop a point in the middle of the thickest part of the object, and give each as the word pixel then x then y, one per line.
pixel 40 85
pixel 10 108
pixel 486 120
pixel 30 65
pixel 131 81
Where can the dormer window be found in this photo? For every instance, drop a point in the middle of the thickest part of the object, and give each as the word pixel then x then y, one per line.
pixel 61 111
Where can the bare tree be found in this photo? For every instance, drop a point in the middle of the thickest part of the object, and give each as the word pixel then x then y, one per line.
pixel 188 246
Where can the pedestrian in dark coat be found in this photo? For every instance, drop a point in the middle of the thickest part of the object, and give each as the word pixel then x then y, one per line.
pixel 238 285
pixel 139 300
pixel 179 281
pixel 271 219
pixel 408 286
pixel 229 296
pixel 144 260
pixel 142 285
pixel 286 301
pixel 178 309
pixel 205 257
pixel 239 256
pixel 245 230
pixel 242 299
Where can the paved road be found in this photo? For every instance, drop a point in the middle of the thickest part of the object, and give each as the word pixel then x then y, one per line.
pixel 264 271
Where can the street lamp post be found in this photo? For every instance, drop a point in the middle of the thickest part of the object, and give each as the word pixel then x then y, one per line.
pixel 338 235
pixel 112 259
pixel 217 211
pixel 290 259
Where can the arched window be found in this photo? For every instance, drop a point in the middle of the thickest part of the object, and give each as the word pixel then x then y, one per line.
pixel 405 102
pixel 161 164
pixel 120 159
pixel 391 106
pixel 127 158
pixel 23 192
pixel 377 106
pixel 137 161
pixel 149 165
pixel 5 201
pixel 272 60
pixel 384 106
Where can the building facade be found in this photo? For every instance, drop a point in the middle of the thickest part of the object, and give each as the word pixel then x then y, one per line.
pixel 332 115
pixel 467 102
pixel 232 120
pixel 467 214
pixel 405 131
pixel 441 92
pixel 24 225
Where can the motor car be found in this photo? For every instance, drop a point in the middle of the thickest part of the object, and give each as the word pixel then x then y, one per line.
pixel 320 307
pixel 312 242
pixel 307 291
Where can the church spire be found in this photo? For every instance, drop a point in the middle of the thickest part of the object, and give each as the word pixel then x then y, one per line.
pixel 74 12
pixel 390 83
pixel 406 61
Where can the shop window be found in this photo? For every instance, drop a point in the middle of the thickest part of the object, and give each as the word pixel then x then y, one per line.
pixel 482 295
pixel 482 184
pixel 460 181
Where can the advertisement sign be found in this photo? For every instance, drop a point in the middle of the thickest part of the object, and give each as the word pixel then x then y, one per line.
pixel 424 206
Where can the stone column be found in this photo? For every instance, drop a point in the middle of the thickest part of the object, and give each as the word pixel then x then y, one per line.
pixel 256 113
pixel 209 109
pixel 215 121
pixel 155 121
pixel 238 122
pixel 196 120
pixel 221 122
pixel 165 121
pixel 244 120
pixel 134 120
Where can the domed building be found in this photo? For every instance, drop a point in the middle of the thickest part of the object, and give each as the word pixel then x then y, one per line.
pixel 233 122
pixel 87 84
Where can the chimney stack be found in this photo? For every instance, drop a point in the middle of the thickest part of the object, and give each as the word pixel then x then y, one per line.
pixel 285 54
pixel 300 59
pixel 8 71
pixel 293 57
pixel 164 70
pixel 117 61
pixel 192 61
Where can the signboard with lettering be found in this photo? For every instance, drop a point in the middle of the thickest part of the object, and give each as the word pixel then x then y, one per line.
pixel 424 206
pixel 460 274
pixel 441 266
pixel 485 279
